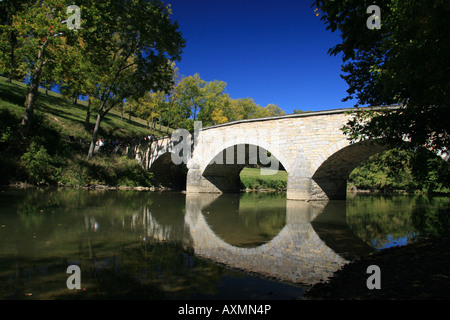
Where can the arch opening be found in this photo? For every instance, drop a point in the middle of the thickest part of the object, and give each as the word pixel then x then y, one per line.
pixel 332 175
pixel 167 174
pixel 223 173
pixel 402 170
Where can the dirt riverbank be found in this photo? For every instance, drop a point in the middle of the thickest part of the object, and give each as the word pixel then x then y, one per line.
pixel 419 271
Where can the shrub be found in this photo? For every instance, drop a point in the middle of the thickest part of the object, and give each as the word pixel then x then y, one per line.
pixel 38 164
pixel 111 170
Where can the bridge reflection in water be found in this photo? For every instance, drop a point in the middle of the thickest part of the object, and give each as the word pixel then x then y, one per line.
pixel 314 242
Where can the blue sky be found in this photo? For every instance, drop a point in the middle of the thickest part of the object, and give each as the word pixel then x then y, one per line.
pixel 271 51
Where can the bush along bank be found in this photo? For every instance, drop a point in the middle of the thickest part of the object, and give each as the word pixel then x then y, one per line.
pixel 48 158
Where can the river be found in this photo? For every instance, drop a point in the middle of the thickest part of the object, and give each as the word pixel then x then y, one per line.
pixel 151 245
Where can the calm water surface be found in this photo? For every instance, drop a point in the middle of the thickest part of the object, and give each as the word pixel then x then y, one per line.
pixel 142 245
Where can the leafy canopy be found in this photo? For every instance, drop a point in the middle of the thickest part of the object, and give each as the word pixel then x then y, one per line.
pixel 404 63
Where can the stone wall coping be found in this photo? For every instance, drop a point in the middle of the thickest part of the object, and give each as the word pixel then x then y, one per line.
pixel 300 115
pixel 288 116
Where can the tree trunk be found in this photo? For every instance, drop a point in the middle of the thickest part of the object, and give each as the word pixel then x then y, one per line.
pixel 33 92
pixel 29 104
pixel 95 134
pixel 12 43
pixel 168 123
pixel 74 98
pixel 88 115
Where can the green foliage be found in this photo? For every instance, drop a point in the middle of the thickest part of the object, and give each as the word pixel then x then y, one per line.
pixel 129 47
pixel 299 111
pixel 431 217
pixel 111 170
pixel 48 157
pixel 251 178
pixel 38 164
pixel 430 173
pixel 10 38
pixel 208 102
pixel 400 169
pixel 404 63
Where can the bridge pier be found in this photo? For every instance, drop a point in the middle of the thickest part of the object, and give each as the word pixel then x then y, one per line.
pixel 307 189
pixel 334 189
pixel 298 188
pixel 224 181
pixel 301 185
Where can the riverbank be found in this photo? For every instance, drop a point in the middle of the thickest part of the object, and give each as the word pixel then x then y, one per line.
pixel 417 271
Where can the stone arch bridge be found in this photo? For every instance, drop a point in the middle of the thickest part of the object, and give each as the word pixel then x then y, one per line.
pixel 311 147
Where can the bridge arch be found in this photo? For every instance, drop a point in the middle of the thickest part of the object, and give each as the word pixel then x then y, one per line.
pixel 221 154
pixel 167 174
pixel 223 171
pixel 333 167
pixel 331 172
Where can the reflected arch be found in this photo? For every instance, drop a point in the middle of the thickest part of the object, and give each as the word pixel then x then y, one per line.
pixel 295 254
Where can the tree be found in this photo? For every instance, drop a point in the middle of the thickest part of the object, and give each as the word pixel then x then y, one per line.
pixel 299 111
pixel 245 108
pixel 204 101
pixel 9 40
pixel 79 80
pixel 148 107
pixel 190 94
pixel 212 109
pixel 403 63
pixel 171 98
pixel 271 110
pixel 130 46
pixel 41 35
pixel 399 169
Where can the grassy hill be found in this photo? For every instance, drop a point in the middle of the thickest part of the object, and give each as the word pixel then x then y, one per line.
pixel 69 119
pixel 55 152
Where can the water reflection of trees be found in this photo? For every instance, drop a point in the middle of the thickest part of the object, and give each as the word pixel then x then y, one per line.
pixel 431 216
pixel 379 219
pixel 114 265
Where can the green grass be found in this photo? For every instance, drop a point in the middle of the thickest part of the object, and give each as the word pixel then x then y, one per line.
pixel 251 178
pixel 69 119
